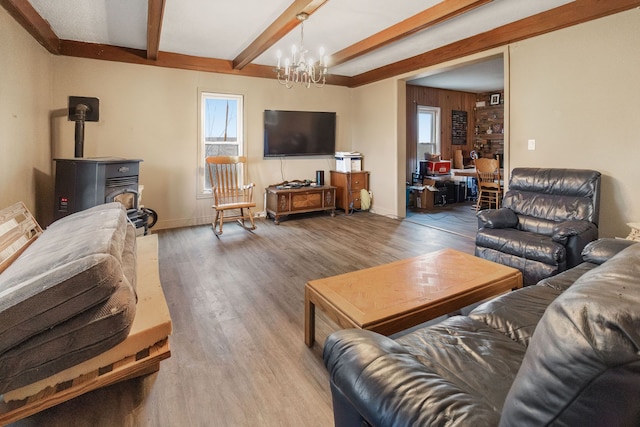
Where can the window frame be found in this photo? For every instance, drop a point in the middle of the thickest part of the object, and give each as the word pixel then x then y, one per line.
pixel 203 96
pixel 436 120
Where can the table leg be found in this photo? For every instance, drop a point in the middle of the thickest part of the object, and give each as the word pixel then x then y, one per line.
pixel 309 320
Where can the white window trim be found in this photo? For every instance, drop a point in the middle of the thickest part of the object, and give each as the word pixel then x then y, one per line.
pixel 435 129
pixel 203 94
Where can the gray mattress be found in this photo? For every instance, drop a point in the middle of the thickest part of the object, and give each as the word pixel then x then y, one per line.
pixel 69 296
pixel 69 343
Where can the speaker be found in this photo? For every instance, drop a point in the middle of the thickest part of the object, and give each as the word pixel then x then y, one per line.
pixel 319 177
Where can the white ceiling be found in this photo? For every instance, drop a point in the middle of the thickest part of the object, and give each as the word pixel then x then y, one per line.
pixel 478 77
pixel 223 29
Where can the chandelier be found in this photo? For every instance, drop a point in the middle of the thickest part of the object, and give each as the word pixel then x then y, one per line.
pixel 298 69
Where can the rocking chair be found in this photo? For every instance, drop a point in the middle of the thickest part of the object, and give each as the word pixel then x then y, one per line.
pixel 227 174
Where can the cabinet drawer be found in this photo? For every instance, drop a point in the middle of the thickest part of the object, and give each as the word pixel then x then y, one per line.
pixel 302 201
pixel 355 197
pixel 358 181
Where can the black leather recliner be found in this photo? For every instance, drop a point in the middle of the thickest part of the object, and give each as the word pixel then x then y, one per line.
pixel 546 219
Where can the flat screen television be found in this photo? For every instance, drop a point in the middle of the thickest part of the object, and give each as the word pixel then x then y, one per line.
pixel 299 133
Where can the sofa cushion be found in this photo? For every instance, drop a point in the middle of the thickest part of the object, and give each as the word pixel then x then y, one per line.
pixel 532 271
pixel 522 244
pixel 565 279
pixel 74 265
pixel 554 194
pixel 516 314
pixel 71 342
pixel 583 362
pixel 457 371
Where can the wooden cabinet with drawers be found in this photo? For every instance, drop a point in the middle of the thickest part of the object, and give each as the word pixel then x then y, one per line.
pixel 348 186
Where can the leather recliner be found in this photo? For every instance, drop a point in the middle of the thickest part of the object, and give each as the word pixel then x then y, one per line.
pixel 546 219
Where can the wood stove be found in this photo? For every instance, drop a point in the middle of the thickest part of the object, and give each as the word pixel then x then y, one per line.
pixel 82 183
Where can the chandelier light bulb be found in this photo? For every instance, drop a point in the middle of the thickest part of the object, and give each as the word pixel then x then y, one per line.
pixel 298 69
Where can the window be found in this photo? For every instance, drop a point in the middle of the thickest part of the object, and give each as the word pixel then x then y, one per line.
pixel 428 130
pixel 220 133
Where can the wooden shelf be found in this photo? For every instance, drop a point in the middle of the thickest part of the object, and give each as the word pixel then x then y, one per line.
pixel 489 117
pixel 490 136
pixel 490 107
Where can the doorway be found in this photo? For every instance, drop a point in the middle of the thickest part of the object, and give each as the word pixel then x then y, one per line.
pixel 454 89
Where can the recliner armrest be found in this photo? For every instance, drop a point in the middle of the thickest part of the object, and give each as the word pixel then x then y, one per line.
pixel 497 218
pixel 574 235
pixel 599 251
pixel 566 229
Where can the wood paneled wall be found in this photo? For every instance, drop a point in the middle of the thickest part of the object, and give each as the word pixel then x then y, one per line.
pixel 447 100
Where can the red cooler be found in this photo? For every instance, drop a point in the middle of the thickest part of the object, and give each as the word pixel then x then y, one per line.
pixel 440 167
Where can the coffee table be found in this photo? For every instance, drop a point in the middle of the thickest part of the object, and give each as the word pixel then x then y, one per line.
pixel 393 297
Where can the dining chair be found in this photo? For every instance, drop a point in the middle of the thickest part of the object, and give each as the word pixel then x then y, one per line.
pixel 489 188
pixel 227 175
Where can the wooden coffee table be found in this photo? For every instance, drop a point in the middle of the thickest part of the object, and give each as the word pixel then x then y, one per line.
pixel 393 297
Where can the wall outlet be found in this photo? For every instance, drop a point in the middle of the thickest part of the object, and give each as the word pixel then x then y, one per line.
pixel 531 144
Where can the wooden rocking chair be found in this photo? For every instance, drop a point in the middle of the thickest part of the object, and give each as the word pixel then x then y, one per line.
pixel 226 174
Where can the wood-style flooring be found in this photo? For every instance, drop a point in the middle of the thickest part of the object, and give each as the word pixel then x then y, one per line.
pixel 459 218
pixel 237 304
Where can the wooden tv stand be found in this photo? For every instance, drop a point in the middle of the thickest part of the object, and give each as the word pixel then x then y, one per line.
pixel 286 201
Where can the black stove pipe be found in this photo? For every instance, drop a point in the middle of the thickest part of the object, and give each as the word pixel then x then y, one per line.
pixel 81 113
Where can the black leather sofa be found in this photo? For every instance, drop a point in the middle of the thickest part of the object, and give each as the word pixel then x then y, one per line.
pixel 564 352
pixel 546 219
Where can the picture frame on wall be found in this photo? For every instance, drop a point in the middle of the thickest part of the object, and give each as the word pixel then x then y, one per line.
pixel 495 99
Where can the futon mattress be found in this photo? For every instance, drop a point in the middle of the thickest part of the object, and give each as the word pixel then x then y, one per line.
pixel 64 282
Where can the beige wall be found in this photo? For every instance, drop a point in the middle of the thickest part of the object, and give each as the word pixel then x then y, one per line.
pixel 577 93
pixel 574 91
pixel 375 136
pixel 25 96
pixel 151 113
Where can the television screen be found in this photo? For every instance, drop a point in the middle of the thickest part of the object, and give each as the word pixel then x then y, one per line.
pixel 299 133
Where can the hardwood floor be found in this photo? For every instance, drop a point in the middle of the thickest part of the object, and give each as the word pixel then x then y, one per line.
pixel 237 304
pixel 459 218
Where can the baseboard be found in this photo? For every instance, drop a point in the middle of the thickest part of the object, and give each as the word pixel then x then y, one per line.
pixel 191 222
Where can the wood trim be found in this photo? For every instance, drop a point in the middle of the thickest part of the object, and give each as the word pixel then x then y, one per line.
pixel 173 60
pixel 154 27
pixel 434 15
pixel 30 19
pixel 133 366
pixel 18 230
pixel 278 29
pixel 576 12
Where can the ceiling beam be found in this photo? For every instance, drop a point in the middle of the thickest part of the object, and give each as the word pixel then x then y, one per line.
pixel 278 29
pixel 173 60
pixel 154 27
pixel 573 13
pixel 30 19
pixel 576 12
pixel 429 17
